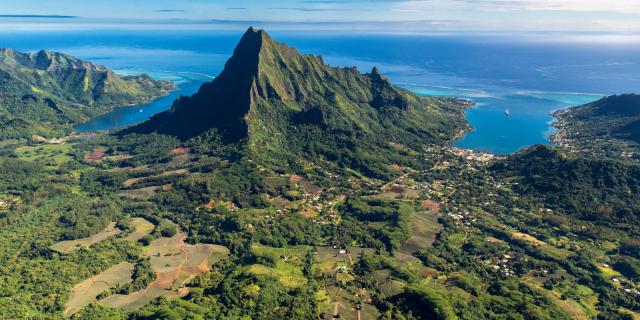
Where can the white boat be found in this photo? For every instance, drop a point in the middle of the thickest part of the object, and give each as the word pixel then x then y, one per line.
pixel 507 112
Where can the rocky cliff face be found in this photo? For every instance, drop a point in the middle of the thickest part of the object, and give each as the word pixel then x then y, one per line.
pixel 274 98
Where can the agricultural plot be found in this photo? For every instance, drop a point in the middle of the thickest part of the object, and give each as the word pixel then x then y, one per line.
pixel 328 259
pixel 581 305
pixel 97 155
pixel 339 296
pixel 398 192
pixel 87 291
pixel 141 228
pixel 424 228
pixel 349 304
pixel 541 245
pixel 175 264
pixel 59 153
pixel 144 192
pixel 68 246
pixel 180 172
pixel 287 262
pixel 306 185
pixel 387 284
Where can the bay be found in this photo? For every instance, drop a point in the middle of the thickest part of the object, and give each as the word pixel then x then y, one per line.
pixel 530 76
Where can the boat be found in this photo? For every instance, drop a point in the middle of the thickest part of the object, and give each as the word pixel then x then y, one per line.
pixel 507 112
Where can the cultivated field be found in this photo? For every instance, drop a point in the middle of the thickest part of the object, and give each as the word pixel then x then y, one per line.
pixel 86 291
pixel 424 228
pixel 175 264
pixel 287 264
pixel 68 246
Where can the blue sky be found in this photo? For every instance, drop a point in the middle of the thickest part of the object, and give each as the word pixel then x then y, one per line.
pixel 620 16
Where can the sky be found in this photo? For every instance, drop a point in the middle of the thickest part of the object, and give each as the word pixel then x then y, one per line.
pixel 604 16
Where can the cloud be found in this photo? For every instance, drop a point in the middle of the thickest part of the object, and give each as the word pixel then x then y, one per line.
pixel 36 16
pixel 621 6
pixel 303 9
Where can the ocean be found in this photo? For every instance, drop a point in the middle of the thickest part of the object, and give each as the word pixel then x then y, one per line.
pixel 514 80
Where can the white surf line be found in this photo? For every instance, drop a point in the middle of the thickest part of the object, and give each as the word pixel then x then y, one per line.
pixel 441 87
pixel 525 92
pixel 169 72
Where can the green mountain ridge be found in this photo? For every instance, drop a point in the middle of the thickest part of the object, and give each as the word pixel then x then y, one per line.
pixel 282 103
pixel 607 127
pixel 47 92
pixel 594 189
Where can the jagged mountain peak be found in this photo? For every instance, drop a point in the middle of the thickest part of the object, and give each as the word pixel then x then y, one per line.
pixel 268 92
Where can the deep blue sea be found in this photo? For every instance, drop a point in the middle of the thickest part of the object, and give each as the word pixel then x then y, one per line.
pixel 528 76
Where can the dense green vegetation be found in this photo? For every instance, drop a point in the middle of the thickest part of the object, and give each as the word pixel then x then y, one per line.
pixel 387 222
pixel 44 93
pixel 605 190
pixel 326 214
pixel 284 106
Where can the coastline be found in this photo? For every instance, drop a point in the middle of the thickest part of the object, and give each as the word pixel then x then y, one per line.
pixel 560 138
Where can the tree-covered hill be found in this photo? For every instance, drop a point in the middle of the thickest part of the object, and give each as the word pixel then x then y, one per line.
pixel 44 93
pixel 593 189
pixel 607 127
pixel 283 104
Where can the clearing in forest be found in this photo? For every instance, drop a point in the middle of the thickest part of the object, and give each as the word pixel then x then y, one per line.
pixel 424 228
pixel 287 264
pixel 88 290
pixel 68 246
pixel 141 228
pixel 175 264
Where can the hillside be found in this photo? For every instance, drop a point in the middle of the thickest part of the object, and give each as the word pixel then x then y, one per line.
pixel 607 127
pixel 283 104
pixel 46 92
pixel 592 189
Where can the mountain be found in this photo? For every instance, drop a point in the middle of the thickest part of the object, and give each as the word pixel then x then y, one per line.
pixel 281 104
pixel 45 91
pixel 609 126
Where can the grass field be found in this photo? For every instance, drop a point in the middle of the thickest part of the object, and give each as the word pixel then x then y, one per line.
pixel 59 153
pixel 68 246
pixel 86 291
pixel 287 264
pixel 287 274
pixel 141 227
pixel 130 182
pixel 541 245
pixel 608 272
pixel 144 192
pixel 583 308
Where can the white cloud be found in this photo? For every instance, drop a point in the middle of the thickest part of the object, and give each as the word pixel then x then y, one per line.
pixel 621 6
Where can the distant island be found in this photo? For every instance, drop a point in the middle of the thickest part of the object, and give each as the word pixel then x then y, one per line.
pixel 45 93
